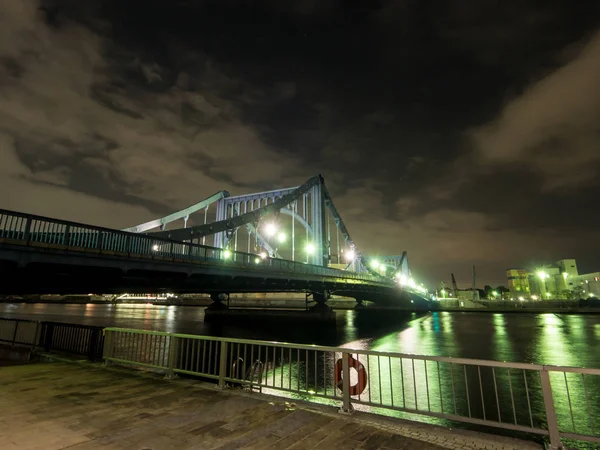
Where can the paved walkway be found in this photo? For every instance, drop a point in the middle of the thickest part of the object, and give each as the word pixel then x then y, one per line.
pixel 80 406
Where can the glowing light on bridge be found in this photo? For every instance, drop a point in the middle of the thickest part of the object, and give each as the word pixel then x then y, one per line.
pixel 270 230
pixel 350 255
pixel 155 247
pixel 310 248
pixel 227 254
pixel 263 255
pixel 403 280
pixel 281 237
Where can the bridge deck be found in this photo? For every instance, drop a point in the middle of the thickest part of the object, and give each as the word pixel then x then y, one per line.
pixel 58 405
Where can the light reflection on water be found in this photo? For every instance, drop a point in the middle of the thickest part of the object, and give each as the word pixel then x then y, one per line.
pixel 567 340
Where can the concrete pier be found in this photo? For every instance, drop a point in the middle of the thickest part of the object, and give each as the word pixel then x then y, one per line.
pixel 58 405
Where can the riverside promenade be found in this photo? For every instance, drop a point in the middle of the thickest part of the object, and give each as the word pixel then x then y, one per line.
pixel 77 406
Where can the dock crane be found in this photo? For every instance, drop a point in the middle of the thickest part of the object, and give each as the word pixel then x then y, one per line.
pixel 455 288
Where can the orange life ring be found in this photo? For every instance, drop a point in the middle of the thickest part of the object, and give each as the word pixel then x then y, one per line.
pixel 357 388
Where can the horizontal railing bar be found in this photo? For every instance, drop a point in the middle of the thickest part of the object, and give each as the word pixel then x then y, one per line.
pixel 582 437
pixel 21 320
pixel 583 370
pixel 472 420
pixel 293 391
pixel 447 359
pixel 198 374
pixel 136 363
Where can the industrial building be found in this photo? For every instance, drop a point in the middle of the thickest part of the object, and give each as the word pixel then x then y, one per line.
pixel 561 280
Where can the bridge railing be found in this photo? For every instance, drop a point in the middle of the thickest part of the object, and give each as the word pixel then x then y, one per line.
pixel 32 230
pixel 557 402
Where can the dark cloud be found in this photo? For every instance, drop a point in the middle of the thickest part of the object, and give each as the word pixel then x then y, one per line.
pixel 463 134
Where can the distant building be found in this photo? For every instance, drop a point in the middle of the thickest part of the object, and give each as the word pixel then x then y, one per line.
pixel 568 266
pixel 467 294
pixel 518 282
pixel 556 281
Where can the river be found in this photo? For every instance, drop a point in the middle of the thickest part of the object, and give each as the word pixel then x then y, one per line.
pixel 555 339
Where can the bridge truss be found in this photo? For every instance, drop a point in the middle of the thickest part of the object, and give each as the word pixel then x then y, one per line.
pixel 297 224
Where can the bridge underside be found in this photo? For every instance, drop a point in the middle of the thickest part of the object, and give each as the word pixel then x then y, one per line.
pixel 51 271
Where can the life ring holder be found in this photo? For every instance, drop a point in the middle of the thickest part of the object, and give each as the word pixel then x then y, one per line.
pixel 361 385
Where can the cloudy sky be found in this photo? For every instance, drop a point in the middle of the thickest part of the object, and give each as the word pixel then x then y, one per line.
pixel 463 132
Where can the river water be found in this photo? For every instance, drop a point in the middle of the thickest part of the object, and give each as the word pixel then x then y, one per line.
pixel 550 339
pixel 555 339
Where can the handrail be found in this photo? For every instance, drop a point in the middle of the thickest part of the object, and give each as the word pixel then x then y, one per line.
pixel 552 401
pixel 447 359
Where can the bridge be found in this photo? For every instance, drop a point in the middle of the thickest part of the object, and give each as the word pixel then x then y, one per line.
pixel 286 240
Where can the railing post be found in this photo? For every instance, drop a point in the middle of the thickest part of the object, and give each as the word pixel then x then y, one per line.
pixel 35 343
pixel 14 338
pixel 93 345
pixel 99 242
pixel 48 335
pixel 66 237
pixel 108 346
pixel 553 433
pixel 173 351
pixel 223 364
pixel 27 233
pixel 347 407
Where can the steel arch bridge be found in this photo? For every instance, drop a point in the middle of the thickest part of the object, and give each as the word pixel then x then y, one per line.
pixel 270 223
pixel 290 239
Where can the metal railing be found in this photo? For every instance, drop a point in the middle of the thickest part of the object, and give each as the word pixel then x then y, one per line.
pixel 70 339
pixel 31 230
pixel 19 333
pixel 557 402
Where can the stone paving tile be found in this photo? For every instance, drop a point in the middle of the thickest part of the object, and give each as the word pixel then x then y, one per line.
pixel 53 406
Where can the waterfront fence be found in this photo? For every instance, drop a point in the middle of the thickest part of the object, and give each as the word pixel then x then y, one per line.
pixel 19 333
pixel 66 338
pixel 557 402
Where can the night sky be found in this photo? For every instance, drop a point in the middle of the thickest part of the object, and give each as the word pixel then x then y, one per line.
pixel 465 132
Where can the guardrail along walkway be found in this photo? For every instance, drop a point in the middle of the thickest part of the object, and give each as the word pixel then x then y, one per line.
pixel 56 406
pixel 553 402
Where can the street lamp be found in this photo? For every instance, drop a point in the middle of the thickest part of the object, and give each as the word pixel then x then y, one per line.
pixel 350 255
pixel 543 275
pixel 310 248
pixel 227 254
pixel 270 229
pixel 155 247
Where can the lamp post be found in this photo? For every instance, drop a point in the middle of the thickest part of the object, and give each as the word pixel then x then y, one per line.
pixel 543 275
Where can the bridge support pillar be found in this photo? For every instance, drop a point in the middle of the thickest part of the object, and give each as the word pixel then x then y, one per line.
pixel 218 299
pixel 320 298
